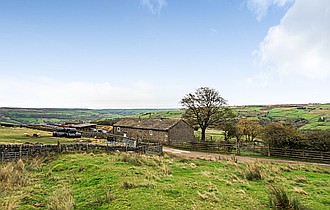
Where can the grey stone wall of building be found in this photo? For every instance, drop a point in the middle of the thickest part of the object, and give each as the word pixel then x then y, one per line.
pixel 181 132
pixel 143 134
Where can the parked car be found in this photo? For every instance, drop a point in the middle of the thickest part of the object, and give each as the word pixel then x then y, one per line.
pixel 67 132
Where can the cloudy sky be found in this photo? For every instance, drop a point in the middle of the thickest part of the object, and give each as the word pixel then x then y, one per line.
pixel 150 53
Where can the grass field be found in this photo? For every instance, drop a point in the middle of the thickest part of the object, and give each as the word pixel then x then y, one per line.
pixel 132 181
pixel 16 135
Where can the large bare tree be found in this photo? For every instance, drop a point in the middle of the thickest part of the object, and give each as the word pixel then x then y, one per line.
pixel 204 107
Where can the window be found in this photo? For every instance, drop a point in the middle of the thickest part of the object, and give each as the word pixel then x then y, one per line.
pixel 150 132
pixel 118 129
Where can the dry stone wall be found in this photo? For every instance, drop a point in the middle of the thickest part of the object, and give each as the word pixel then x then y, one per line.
pixel 11 152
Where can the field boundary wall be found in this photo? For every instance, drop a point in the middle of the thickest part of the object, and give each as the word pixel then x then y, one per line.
pixel 13 152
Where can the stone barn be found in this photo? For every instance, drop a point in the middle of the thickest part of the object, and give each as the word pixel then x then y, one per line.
pixel 165 131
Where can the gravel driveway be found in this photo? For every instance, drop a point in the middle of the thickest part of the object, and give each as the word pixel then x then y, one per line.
pixel 214 156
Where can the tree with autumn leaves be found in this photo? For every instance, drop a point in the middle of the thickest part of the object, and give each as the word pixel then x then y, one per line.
pixel 205 108
pixel 249 128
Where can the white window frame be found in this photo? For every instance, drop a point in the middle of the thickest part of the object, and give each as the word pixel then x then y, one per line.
pixel 150 132
pixel 118 129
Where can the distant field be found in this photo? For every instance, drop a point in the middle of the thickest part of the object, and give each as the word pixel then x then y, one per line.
pixel 311 116
pixel 173 114
pixel 303 116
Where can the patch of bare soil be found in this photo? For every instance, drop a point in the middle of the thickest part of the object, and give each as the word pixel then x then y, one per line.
pixel 320 111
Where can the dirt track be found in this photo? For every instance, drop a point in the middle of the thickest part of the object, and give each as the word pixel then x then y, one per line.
pixel 214 156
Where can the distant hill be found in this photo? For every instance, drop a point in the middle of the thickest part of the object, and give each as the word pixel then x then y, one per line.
pixel 53 115
pixel 303 116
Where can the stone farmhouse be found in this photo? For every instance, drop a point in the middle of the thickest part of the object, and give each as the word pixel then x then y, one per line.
pixel 165 131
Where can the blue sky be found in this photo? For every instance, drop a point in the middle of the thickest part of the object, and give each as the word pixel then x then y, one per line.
pixel 150 53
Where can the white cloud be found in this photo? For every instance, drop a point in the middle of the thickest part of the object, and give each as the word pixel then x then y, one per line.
pixel 300 44
pixel 260 80
pixel 155 6
pixel 44 92
pixel 260 7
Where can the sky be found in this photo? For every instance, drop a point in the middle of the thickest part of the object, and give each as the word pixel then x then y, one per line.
pixel 151 53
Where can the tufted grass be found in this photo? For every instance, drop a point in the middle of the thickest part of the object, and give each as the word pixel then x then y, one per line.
pixel 132 181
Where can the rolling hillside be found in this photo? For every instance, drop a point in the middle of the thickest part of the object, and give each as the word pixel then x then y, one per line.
pixel 49 115
pixel 304 116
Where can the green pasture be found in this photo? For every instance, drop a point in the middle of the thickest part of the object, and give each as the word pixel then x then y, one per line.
pixel 132 181
pixel 16 135
pixel 317 125
pixel 172 114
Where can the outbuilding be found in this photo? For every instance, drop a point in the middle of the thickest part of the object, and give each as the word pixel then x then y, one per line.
pixel 83 127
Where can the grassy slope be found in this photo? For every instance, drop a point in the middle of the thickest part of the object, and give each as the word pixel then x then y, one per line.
pixel 101 181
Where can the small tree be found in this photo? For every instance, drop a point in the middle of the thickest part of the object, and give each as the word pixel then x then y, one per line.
pixel 250 128
pixel 204 107
pixel 280 136
pixel 238 135
pixel 228 125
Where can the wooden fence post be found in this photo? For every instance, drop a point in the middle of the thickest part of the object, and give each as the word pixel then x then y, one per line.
pixel 321 156
pixel 20 152
pixel 58 147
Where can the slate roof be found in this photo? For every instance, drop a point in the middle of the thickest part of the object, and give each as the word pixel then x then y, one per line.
pixel 147 123
pixel 84 125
